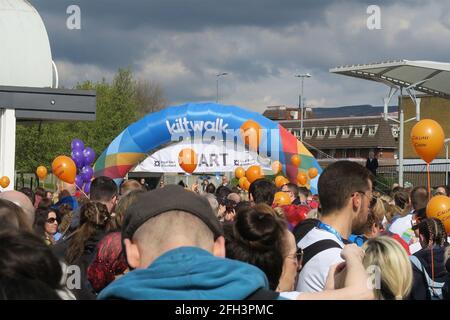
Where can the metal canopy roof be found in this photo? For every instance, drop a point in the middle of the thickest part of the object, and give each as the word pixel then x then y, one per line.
pixel 49 104
pixel 426 76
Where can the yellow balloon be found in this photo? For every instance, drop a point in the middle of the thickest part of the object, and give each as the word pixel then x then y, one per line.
pixel 4 181
pixel 313 172
pixel 439 207
pixel 427 138
pixel 41 172
pixel 276 167
pixel 281 199
pixel 64 168
pixel 239 172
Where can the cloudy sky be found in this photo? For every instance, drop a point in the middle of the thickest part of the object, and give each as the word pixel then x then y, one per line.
pixel 262 44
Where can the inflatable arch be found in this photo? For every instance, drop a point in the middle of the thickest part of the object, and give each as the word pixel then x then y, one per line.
pixel 157 130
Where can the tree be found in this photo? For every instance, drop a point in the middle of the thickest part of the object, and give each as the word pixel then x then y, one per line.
pixel 38 143
pixel 149 96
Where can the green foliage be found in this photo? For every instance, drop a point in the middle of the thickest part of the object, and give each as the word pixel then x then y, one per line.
pixel 38 143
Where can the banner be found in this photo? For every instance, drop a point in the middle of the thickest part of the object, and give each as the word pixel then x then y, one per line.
pixel 212 158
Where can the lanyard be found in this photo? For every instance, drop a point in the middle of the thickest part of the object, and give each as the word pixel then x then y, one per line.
pixel 330 229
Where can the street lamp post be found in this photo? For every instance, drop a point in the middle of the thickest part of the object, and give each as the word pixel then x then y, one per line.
pixel 300 102
pixel 217 84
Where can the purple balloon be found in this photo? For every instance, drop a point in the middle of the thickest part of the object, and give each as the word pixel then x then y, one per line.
pixel 87 173
pixel 77 144
pixel 79 181
pixel 78 158
pixel 87 187
pixel 89 155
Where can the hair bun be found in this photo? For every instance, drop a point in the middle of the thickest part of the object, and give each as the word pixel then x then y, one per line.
pixel 257 228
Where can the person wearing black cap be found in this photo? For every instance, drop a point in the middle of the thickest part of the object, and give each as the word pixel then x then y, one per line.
pixel 175 243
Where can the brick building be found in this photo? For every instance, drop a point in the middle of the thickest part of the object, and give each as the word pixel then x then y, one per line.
pixel 342 133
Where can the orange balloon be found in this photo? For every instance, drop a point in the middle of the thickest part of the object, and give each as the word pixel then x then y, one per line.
pixel 313 172
pixel 277 167
pixel 295 160
pixel 64 168
pixel 187 159
pixel 239 172
pixel 427 138
pixel 41 172
pixel 251 134
pixel 282 199
pixel 439 207
pixel 281 181
pixel 4 181
pixel 242 180
pixel 253 173
pixel 302 179
pixel 246 185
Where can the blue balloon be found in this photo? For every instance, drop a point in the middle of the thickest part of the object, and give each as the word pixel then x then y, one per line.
pixel 87 187
pixel 77 144
pixel 87 173
pixel 78 158
pixel 79 181
pixel 89 155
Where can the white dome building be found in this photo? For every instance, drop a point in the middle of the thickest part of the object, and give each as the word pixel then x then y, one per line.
pixel 25 54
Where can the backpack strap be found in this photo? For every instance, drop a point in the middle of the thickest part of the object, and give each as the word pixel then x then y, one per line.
pixel 304 227
pixel 310 251
pixel 263 294
pixel 434 288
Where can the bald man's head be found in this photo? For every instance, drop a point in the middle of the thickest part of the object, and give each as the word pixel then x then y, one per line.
pixel 22 201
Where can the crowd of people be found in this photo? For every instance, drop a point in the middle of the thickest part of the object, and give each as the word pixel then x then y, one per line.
pixel 221 242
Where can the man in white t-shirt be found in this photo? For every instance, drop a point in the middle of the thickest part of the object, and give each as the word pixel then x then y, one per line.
pixel 345 193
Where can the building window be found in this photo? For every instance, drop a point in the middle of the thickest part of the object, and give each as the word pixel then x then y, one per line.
pixel 357 153
pixel 346 131
pixel 373 130
pixel 359 131
pixel 334 132
pixel 321 132
pixel 308 133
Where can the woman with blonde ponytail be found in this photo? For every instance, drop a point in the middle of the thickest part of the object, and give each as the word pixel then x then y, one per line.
pixel 390 272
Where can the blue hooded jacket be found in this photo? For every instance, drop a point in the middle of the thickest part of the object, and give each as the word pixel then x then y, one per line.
pixel 188 273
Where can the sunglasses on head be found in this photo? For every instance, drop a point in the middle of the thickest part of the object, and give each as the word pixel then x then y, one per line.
pixel 51 220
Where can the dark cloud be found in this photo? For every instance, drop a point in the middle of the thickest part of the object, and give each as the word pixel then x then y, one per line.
pixel 262 43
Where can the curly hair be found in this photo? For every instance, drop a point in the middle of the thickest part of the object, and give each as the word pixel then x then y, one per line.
pixel 94 217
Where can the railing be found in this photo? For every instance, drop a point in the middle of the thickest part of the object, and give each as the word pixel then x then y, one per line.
pixel 416 174
pixel 29 180
pixel 380 185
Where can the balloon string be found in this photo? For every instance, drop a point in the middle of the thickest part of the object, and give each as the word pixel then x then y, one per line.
pixel 429 181
pixel 432 264
pixel 81 191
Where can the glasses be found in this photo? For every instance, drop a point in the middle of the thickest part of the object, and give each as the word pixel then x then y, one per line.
pixel 298 256
pixel 51 220
pixel 371 198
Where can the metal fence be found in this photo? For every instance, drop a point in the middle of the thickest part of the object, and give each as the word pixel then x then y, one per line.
pixel 30 180
pixel 414 174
